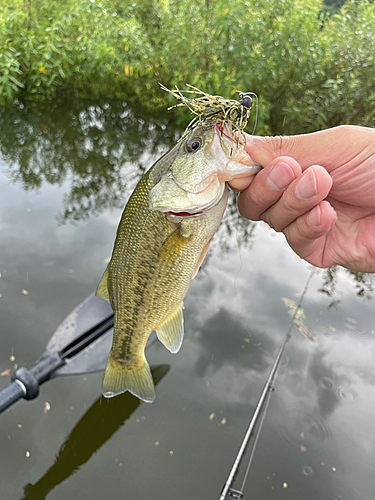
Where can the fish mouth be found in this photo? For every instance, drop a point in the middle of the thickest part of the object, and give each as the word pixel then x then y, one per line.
pixel 223 131
pixel 184 214
pixel 195 212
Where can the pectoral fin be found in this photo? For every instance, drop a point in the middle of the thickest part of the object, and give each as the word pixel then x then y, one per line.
pixel 173 246
pixel 102 290
pixel 133 377
pixel 171 332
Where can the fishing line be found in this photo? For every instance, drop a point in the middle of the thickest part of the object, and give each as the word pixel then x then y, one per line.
pixel 263 398
pixel 256 440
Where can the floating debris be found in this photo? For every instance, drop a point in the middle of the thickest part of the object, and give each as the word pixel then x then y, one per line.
pixel 157 443
pixel 334 469
pixel 27 454
pixel 212 416
pixel 5 373
pixel 19 426
pixel 223 421
pixel 298 316
pixel 171 452
pixel 25 292
pixel 307 471
pixel 285 485
pixel 12 358
pixel 47 407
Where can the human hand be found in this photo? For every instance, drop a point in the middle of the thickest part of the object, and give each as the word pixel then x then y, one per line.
pixel 319 190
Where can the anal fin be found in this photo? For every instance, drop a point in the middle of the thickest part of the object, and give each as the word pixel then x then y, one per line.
pixel 133 377
pixel 102 290
pixel 171 332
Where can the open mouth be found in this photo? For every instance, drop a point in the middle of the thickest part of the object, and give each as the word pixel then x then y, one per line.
pixel 220 128
pixel 185 214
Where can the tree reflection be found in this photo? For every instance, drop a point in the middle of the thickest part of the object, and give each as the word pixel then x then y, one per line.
pixel 363 284
pixel 101 149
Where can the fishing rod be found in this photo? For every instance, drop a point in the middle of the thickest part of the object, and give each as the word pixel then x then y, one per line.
pixel 261 405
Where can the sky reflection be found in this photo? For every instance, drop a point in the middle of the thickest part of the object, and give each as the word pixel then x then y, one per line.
pixel 322 411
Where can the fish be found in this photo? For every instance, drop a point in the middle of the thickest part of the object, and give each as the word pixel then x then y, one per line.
pixel 162 239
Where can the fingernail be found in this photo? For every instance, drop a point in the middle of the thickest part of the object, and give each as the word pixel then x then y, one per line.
pixel 306 188
pixel 313 217
pixel 280 176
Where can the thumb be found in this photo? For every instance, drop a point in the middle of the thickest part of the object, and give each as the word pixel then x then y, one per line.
pixel 324 148
pixel 263 150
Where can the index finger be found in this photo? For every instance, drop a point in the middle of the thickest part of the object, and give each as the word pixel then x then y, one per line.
pixel 267 187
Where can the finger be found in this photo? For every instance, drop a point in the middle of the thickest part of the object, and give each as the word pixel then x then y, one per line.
pixel 328 148
pixel 240 184
pixel 267 187
pixel 307 234
pixel 299 198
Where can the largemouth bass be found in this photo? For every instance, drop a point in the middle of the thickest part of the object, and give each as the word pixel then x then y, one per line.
pixel 161 241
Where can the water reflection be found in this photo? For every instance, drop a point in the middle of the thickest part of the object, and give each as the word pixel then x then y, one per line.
pixel 304 430
pixel 363 284
pixel 101 149
pixel 322 373
pixel 97 425
pixel 85 142
pixel 225 341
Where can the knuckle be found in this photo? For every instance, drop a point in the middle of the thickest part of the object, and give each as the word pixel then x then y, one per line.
pixel 258 199
pixel 283 145
pixel 264 217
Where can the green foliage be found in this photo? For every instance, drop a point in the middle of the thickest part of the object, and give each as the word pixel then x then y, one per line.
pixel 310 70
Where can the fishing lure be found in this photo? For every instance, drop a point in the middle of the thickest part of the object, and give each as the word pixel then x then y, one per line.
pixel 206 107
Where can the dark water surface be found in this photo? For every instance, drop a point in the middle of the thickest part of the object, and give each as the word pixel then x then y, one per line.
pixel 66 170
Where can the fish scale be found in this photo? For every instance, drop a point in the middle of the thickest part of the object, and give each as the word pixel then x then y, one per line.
pixel 159 247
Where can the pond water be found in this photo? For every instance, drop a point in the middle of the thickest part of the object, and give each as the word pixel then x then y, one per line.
pixel 66 171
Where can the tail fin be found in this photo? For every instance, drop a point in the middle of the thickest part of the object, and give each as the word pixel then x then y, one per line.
pixel 135 378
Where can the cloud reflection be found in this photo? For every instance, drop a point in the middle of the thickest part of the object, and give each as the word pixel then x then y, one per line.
pixel 224 340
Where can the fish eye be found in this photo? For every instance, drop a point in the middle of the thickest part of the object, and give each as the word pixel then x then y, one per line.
pixel 194 144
